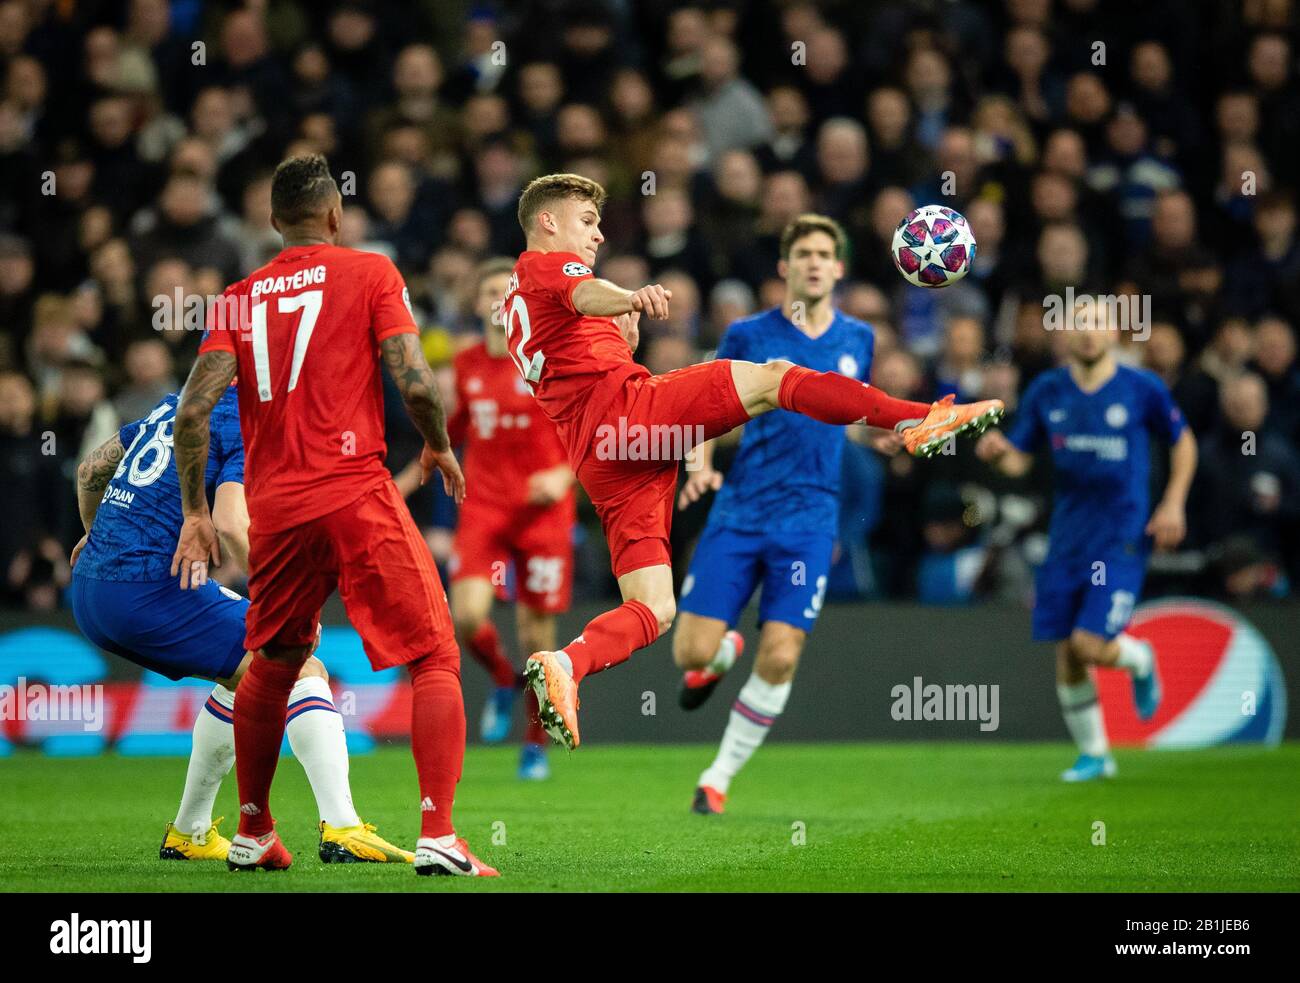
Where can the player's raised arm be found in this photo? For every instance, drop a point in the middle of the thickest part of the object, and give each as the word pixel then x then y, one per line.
pixel 994 448
pixel 601 298
pixel 410 372
pixel 198 543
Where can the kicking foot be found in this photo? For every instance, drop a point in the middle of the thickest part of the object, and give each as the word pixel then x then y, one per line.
pixel 359 844
pixel 948 419
pixel 698 684
pixel 208 845
pixel 494 725
pixel 708 801
pixel 1089 767
pixel 557 697
pixel 532 764
pixel 260 853
pixel 1146 689
pixel 449 856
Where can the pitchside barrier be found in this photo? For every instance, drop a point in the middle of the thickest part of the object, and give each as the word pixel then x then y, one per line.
pixel 878 672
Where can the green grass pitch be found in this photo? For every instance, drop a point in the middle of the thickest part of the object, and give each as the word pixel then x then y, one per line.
pixel 802 817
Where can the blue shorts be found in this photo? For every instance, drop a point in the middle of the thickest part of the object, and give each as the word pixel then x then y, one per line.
pixel 1096 596
pixel 729 565
pixel 174 632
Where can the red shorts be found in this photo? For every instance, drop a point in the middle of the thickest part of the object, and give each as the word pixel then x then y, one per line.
pixel 373 553
pixel 538 541
pixel 630 471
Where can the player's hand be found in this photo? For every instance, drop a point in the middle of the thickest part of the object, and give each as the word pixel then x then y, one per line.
pixel 992 446
pixel 453 481
pixel 549 486
pixel 626 324
pixel 698 484
pixel 76 550
pixel 195 549
pixel 1168 525
pixel 887 442
pixel 652 301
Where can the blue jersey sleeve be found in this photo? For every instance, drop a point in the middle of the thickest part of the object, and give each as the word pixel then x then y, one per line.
pixel 732 344
pixel 1026 430
pixel 228 443
pixel 869 347
pixel 1160 413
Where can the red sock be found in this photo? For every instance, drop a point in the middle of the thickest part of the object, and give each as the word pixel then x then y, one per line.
pixel 611 638
pixel 437 740
pixel 485 646
pixel 834 398
pixel 534 734
pixel 259 731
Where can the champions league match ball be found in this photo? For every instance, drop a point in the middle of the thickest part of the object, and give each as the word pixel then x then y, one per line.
pixel 933 246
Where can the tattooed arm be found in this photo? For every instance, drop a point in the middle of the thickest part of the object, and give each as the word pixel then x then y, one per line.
pixel 405 362
pixel 93 476
pixel 198 542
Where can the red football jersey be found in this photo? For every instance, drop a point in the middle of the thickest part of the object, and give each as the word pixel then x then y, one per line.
pixel 305 330
pixel 503 431
pixel 574 363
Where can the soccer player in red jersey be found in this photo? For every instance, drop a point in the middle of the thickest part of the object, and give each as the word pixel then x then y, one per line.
pixel 522 512
pixel 305 335
pixel 572 336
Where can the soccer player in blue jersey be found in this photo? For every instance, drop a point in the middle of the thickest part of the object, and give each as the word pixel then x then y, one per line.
pixel 127 602
pixel 774 520
pixel 1098 418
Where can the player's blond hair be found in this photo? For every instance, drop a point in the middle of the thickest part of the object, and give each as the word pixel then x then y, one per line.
pixel 807 224
pixel 549 188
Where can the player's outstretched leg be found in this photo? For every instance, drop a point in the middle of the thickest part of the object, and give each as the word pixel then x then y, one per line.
pixel 193 835
pixel 536 634
pixel 259 721
pixel 438 744
pixel 1077 692
pixel 699 683
pixel 1139 659
pixel 834 398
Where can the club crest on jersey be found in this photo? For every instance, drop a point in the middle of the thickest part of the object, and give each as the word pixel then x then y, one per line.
pixel 473 384
pixel 1116 415
pixel 575 269
pixel 848 366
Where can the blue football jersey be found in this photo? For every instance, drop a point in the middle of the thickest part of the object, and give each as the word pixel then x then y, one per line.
pixel 139 518
pixel 1100 444
pixel 786 475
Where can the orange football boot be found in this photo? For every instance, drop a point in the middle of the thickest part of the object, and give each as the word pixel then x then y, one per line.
pixel 557 697
pixel 947 419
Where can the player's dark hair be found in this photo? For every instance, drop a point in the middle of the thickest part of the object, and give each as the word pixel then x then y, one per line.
pixel 807 224
pixel 555 187
pixel 302 188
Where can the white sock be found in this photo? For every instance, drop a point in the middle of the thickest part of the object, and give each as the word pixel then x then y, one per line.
pixel 1134 655
pixel 212 754
pixel 725 657
pixel 1083 719
pixel 315 731
pixel 752 716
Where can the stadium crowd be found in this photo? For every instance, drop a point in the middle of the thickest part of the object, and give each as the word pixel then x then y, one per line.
pixel 1145 151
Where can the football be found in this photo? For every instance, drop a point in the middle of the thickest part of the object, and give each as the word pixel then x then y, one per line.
pixel 933 246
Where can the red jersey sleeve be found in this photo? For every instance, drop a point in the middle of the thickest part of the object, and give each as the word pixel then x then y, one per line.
pixel 221 324
pixel 557 274
pixel 390 304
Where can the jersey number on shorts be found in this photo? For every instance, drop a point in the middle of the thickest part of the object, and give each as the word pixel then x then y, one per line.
pixel 545 574
pixel 309 303
pixel 157 449
pixel 529 368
